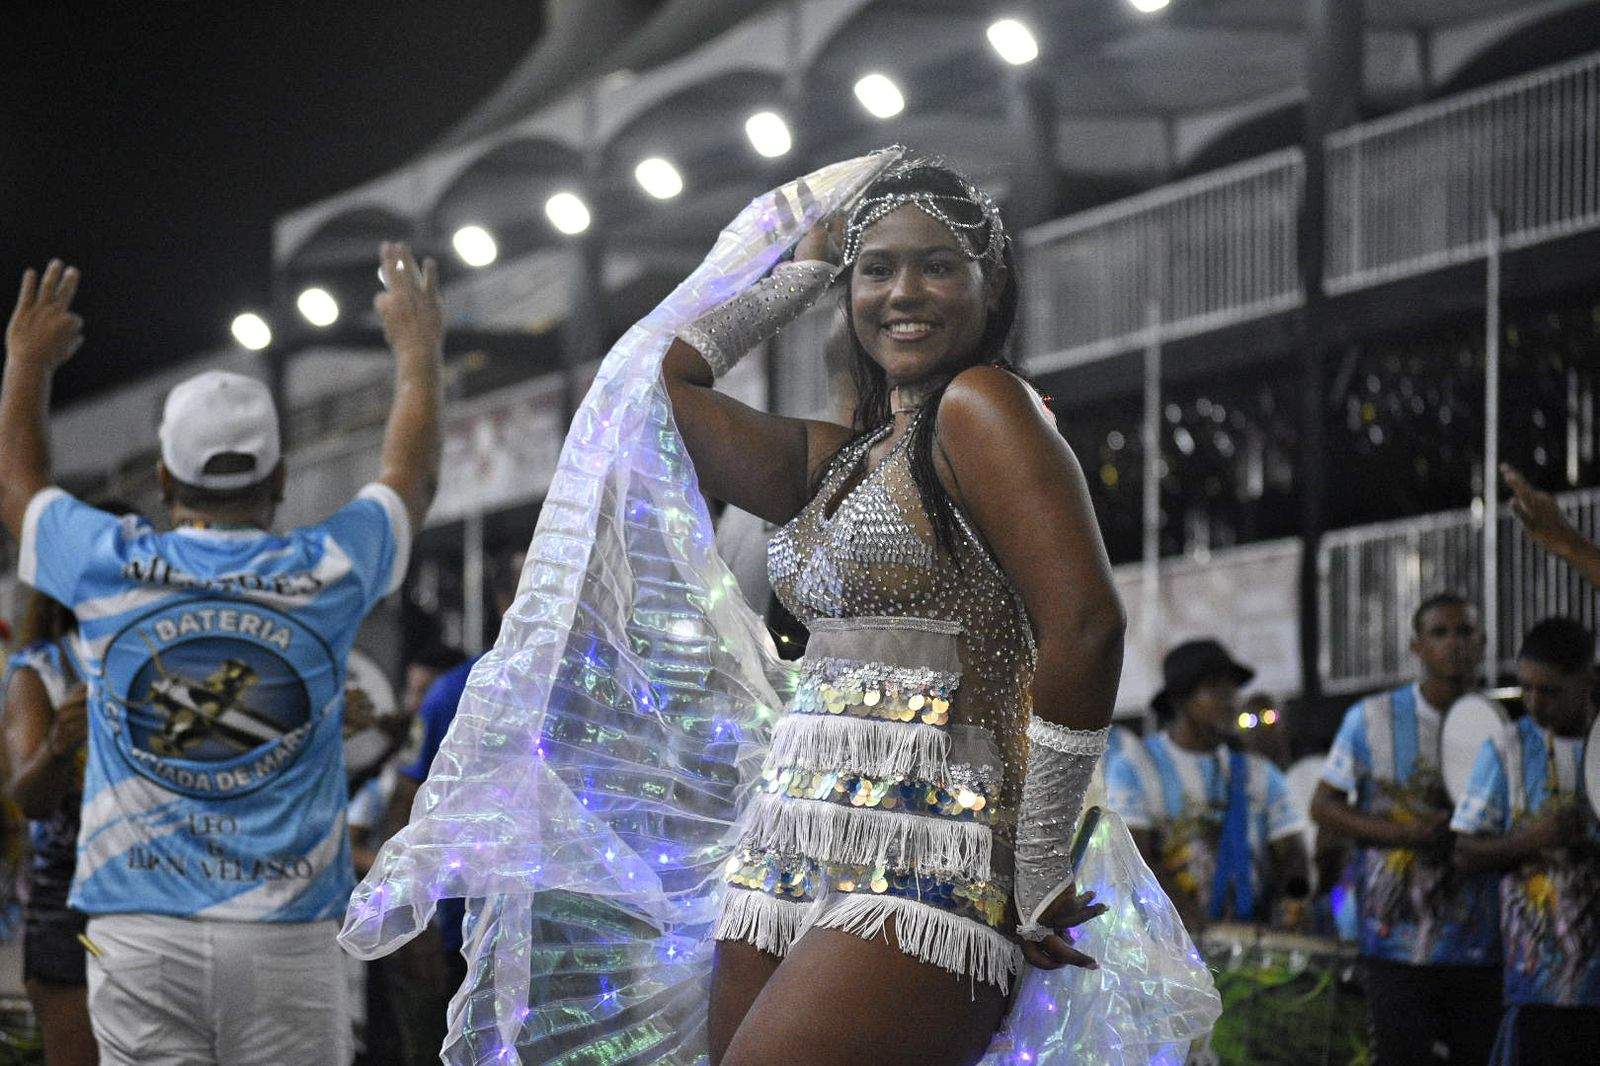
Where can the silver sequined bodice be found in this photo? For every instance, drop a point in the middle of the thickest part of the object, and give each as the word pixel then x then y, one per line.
pixel 876 557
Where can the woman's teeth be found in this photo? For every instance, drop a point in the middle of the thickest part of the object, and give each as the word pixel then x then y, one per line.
pixel 909 331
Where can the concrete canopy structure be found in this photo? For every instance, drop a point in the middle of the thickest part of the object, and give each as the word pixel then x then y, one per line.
pixel 1118 101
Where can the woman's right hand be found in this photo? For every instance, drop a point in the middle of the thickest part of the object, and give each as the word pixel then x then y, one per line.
pixel 824 243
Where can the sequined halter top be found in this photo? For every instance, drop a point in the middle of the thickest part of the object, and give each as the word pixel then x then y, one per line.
pixel 862 569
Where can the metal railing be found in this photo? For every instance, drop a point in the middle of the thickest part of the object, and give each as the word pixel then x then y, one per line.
pixel 1209 252
pixel 499 450
pixel 1373 577
pixel 1414 191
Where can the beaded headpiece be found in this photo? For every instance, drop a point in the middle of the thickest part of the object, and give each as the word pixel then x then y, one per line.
pixel 982 238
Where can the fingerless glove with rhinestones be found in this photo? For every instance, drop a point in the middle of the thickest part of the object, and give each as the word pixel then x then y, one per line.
pixel 727 332
pixel 1061 763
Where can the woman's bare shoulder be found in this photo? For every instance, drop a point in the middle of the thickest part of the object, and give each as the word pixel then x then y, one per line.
pixel 984 406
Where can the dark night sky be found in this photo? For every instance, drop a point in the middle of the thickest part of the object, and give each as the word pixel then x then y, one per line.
pixel 153 144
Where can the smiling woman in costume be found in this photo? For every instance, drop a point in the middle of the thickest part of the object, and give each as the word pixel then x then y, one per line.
pixel 877 866
pixel 909 546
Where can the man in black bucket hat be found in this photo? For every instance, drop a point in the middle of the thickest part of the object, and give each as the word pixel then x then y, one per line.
pixel 1216 823
pixel 1191 664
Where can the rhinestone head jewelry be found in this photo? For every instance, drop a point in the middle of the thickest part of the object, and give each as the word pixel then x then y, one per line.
pixel 970 216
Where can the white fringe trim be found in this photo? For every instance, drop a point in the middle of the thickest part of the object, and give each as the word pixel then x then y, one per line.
pixel 832 832
pixel 948 941
pixel 763 921
pixel 861 745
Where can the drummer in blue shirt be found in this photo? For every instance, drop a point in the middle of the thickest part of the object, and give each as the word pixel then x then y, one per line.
pixel 1215 822
pixel 1522 818
pixel 1428 934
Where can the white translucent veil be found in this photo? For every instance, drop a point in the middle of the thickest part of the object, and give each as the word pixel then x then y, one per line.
pixel 585 797
pixel 589 789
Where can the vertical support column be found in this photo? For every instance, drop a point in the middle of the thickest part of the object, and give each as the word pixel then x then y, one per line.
pixel 779 398
pixel 799 159
pixel 1491 452
pixel 1031 118
pixel 583 334
pixel 1150 578
pixel 1335 47
pixel 472 587
pixel 276 359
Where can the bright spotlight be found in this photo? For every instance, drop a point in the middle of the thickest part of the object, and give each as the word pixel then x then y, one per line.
pixel 567 213
pixel 317 306
pixel 1014 42
pixel 475 245
pixel 1149 7
pixel 768 134
pixel 880 96
pixel 658 177
pixel 252 331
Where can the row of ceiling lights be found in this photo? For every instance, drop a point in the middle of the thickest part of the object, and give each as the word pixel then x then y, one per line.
pixel 767 132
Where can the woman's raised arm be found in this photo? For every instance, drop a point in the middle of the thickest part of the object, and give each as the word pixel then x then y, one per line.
pixel 753 460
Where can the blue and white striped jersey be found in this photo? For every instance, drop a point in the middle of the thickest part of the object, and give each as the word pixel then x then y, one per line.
pixel 215 786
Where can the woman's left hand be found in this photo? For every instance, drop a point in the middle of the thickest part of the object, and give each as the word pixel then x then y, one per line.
pixel 1070 909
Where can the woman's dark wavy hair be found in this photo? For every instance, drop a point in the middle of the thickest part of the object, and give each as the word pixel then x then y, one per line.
pixel 872 387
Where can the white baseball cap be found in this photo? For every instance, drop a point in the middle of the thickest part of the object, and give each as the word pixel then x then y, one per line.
pixel 219 413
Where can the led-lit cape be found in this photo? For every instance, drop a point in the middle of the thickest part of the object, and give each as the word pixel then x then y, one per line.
pixel 590 787
pixel 1152 994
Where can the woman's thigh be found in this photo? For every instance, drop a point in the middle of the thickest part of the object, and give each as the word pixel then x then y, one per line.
pixel 840 1000
pixel 738 973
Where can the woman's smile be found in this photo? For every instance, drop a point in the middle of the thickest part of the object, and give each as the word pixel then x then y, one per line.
pixel 909 331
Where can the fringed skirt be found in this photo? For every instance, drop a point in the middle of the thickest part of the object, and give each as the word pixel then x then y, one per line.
pixel 871 806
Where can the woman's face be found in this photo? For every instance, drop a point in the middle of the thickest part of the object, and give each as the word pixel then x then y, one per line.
pixel 917 302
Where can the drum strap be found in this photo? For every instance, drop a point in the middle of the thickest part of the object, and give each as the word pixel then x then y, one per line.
pixel 1513 756
pixel 1233 852
pixel 1137 752
pixel 1379 713
pixel 1396 741
pixel 1178 778
pixel 1544 773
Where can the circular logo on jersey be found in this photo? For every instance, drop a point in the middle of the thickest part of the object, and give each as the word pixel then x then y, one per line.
pixel 216 697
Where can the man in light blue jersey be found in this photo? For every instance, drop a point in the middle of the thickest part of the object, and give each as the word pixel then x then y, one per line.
pixel 213 858
pixel 1428 936
pixel 1522 820
pixel 1215 823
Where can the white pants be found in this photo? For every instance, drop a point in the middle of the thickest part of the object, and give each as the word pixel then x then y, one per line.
pixel 184 992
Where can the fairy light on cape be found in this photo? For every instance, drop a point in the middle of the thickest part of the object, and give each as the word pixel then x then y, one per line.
pixel 983 238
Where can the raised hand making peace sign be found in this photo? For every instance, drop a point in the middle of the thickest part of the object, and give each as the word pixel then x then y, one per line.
pixel 43 331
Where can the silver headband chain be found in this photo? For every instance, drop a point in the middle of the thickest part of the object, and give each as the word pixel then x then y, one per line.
pixel 967 234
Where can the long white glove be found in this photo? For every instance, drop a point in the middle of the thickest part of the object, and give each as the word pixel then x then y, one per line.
pixel 1061 763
